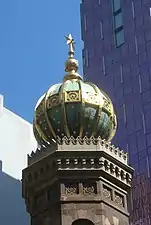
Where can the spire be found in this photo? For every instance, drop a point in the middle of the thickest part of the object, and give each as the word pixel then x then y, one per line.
pixel 71 65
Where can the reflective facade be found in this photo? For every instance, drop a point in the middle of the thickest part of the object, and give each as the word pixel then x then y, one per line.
pixel 117 57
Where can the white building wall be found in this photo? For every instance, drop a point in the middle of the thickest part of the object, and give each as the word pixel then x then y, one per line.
pixel 16 141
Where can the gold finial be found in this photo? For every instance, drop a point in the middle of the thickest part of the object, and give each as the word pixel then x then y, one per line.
pixel 71 43
pixel 71 65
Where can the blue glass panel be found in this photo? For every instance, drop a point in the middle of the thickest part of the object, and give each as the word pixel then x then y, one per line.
pixel 116 5
pixel 119 38
pixel 118 20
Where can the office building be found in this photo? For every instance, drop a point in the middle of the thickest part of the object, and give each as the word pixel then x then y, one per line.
pixel 117 56
pixel 16 141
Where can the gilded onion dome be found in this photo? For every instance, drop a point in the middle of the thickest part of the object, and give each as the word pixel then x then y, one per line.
pixel 73 108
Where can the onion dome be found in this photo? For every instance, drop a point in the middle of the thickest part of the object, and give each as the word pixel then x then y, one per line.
pixel 73 108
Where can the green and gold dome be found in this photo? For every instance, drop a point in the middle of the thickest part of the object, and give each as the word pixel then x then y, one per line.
pixel 73 108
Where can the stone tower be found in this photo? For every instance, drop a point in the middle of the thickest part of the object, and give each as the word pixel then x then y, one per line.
pixel 76 176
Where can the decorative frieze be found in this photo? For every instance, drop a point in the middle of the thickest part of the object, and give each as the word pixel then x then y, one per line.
pixel 91 143
pixel 95 164
pixel 52 101
pixel 107 192
pixel 119 199
pixel 89 188
pixel 73 96
pixel 71 189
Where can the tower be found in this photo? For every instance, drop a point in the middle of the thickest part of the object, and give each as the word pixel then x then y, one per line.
pixel 76 176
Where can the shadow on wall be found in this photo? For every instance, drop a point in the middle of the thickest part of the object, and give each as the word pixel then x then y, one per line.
pixel 12 206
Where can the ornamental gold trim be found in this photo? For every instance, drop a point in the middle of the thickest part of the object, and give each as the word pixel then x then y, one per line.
pixel 108 106
pixel 92 98
pixel 63 111
pixel 46 115
pixel 39 111
pixel 81 113
pixel 72 96
pixel 39 132
pixel 52 101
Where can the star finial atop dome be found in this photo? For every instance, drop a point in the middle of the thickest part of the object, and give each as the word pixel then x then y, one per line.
pixel 71 43
pixel 71 65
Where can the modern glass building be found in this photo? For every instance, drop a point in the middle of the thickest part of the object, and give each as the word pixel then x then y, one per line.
pixel 117 57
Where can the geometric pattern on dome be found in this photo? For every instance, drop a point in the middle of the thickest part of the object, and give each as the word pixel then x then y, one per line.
pixel 73 108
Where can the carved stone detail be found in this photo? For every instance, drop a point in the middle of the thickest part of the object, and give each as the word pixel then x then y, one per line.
pixel 95 163
pixel 71 189
pixel 91 141
pixel 119 199
pixel 89 189
pixel 107 193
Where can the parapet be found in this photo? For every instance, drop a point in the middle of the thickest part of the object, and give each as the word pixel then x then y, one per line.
pixel 79 144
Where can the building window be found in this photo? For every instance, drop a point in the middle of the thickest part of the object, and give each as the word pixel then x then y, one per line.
pixel 133 10
pixel 121 72
pixel 101 30
pixel 86 58
pixel 85 22
pixel 148 169
pixel 103 65
pixel 119 37
pixel 118 23
pixel 118 20
pixel 136 45
pixel 116 5
pixel 143 120
pixel 140 84
pixel 124 112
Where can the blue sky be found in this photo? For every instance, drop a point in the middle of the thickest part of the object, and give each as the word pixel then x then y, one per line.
pixel 33 48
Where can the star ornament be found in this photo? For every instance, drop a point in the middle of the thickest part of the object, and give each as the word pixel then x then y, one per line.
pixel 70 40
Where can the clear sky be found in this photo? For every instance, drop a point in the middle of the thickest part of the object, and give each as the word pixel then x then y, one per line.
pixel 33 48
